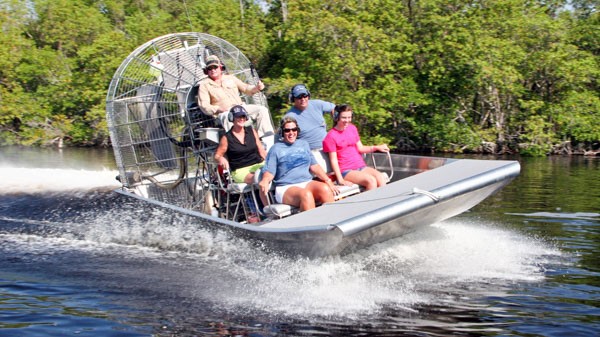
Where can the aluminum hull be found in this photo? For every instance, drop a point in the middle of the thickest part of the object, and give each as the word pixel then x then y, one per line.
pixel 420 198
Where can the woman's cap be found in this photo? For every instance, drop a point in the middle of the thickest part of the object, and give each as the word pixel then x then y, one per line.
pixel 238 111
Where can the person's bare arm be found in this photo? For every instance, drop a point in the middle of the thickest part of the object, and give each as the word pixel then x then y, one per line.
pixel 261 148
pixel 318 171
pixel 220 153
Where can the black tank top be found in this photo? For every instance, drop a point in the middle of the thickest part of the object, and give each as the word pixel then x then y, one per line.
pixel 242 155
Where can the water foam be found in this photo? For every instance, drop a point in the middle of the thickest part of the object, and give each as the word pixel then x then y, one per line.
pixel 423 268
pixel 402 273
pixel 36 180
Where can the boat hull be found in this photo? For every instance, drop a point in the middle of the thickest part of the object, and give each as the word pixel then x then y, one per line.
pixel 421 198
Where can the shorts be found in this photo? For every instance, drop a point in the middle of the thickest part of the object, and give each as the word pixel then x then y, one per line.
pixel 240 174
pixel 280 190
pixel 348 171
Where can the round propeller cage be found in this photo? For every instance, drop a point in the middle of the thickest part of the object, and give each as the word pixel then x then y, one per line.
pixel 158 132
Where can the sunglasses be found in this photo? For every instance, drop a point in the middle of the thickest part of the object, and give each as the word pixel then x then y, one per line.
pixel 212 67
pixel 301 96
pixel 286 130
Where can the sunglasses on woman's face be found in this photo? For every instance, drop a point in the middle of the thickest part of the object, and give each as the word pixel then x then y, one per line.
pixel 286 130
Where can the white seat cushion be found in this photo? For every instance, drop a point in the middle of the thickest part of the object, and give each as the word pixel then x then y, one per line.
pixel 238 187
pixel 278 211
pixel 347 191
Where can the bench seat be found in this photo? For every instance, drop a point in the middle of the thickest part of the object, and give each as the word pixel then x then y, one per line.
pixel 278 211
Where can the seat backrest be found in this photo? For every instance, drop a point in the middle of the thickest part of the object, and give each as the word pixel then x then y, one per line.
pixel 323 160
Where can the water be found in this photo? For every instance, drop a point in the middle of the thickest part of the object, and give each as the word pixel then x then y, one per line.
pixel 78 259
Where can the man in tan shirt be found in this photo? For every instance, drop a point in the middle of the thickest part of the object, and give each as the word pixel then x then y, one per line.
pixel 218 92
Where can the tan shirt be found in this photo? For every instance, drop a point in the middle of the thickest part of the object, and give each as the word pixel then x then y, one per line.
pixel 211 96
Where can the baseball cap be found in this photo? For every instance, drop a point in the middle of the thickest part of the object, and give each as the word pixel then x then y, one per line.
pixel 300 90
pixel 238 111
pixel 212 59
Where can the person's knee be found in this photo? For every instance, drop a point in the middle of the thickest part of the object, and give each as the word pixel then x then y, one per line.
pixel 264 112
pixel 381 181
pixel 370 182
pixel 306 195
pixel 324 193
pixel 249 178
pixel 307 200
pixel 297 196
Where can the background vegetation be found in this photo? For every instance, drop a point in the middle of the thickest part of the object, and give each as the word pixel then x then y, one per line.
pixel 490 76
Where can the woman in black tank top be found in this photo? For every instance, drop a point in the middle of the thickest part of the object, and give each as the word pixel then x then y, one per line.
pixel 240 150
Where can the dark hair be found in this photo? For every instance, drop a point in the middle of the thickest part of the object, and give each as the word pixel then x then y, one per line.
pixel 284 121
pixel 339 109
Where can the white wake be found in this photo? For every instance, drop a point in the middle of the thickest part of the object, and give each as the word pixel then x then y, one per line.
pixel 35 180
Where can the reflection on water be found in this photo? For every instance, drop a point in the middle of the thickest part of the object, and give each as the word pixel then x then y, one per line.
pixel 84 260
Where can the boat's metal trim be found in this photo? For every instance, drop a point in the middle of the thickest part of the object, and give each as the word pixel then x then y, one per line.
pixel 433 196
pixel 418 201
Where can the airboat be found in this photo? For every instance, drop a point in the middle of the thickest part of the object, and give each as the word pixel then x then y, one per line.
pixel 164 146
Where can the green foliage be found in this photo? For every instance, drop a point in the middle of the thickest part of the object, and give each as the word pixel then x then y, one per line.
pixel 584 33
pixel 427 75
pixel 537 137
pixel 577 117
pixel 444 135
pixel 65 25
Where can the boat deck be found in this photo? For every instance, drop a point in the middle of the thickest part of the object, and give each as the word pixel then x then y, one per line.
pixel 435 181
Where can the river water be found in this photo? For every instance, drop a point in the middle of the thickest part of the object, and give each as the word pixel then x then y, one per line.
pixel 77 259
